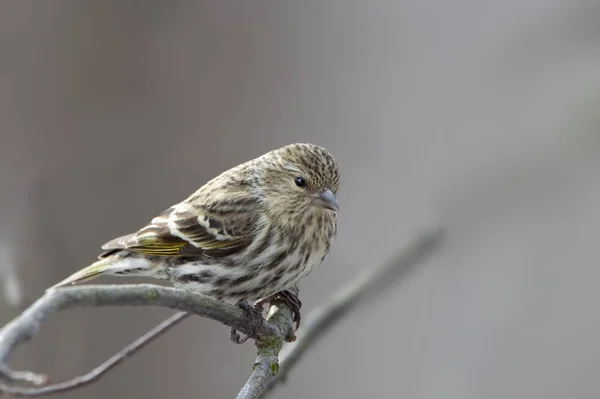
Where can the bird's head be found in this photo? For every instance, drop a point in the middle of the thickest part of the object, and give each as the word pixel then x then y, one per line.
pixel 299 181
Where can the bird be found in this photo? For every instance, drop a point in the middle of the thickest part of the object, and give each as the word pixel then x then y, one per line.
pixel 248 235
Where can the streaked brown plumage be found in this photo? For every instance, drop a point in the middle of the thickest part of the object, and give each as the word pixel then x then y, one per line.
pixel 249 233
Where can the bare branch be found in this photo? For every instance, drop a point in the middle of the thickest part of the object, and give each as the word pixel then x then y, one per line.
pixel 102 369
pixel 267 370
pixel 27 324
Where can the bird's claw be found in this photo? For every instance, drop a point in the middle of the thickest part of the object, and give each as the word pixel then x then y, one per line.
pixel 255 315
pixel 292 301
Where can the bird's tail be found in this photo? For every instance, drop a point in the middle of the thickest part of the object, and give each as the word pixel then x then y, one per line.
pixel 107 266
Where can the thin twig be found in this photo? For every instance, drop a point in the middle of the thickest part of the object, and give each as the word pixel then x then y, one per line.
pixel 102 369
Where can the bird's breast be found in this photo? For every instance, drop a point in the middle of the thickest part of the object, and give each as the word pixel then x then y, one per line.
pixel 309 250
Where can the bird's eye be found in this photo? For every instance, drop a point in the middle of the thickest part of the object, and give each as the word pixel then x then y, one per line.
pixel 300 181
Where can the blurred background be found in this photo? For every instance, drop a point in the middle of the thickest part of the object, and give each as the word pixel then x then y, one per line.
pixel 482 116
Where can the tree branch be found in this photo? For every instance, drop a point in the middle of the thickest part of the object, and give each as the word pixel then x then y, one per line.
pixel 26 325
pixel 267 370
pixel 266 364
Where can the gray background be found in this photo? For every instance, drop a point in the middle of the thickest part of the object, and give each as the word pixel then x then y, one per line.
pixel 479 115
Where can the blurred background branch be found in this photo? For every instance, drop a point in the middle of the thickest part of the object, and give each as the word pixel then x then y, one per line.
pixel 11 287
pixel 371 282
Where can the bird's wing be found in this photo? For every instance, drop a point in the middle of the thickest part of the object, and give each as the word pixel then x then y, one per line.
pixel 184 230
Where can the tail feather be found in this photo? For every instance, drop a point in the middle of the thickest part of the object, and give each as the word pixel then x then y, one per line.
pixel 106 266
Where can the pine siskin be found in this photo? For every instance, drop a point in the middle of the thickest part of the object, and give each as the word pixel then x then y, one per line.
pixel 249 234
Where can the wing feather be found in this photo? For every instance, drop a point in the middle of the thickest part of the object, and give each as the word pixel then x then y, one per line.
pixel 187 230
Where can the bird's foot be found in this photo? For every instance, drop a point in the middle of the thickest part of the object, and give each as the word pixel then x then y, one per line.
pixel 256 318
pixel 292 301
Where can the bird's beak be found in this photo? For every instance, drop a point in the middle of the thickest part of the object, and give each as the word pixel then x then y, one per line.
pixel 326 199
